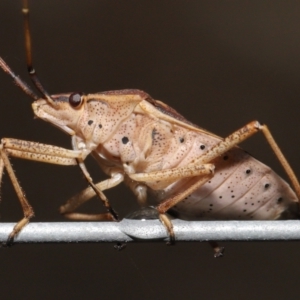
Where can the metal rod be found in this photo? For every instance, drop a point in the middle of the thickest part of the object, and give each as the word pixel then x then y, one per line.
pixel 152 230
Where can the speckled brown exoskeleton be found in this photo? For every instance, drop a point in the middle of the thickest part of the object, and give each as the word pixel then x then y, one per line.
pixel 193 173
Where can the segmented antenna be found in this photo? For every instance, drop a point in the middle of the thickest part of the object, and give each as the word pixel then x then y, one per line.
pixel 28 48
pixel 18 81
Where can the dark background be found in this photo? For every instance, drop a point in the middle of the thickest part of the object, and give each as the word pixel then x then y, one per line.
pixel 221 64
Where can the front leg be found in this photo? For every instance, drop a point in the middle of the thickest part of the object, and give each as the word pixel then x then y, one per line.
pixel 26 207
pixel 32 151
pixel 37 152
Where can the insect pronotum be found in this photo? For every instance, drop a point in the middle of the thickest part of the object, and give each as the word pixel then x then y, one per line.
pixel 193 173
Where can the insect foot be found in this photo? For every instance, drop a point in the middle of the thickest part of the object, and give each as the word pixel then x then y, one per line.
pixel 120 246
pixel 218 250
pixel 169 226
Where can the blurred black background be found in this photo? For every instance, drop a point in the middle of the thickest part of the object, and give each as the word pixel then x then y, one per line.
pixel 219 63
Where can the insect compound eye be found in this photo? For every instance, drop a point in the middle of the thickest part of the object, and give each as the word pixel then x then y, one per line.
pixel 75 99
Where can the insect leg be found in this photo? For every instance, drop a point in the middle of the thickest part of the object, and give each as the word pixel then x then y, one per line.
pixel 243 134
pixel 286 166
pixel 31 151
pixel 139 189
pixel 205 171
pixel 163 207
pixel 40 152
pixel 27 209
pixel 175 173
pixel 167 204
pixel 227 143
pixel 87 194
pixel 99 193
pixel 218 250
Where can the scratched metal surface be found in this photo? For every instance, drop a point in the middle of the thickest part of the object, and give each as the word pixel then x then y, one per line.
pixel 220 65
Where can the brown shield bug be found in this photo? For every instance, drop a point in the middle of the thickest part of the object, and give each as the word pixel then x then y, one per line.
pixel 193 173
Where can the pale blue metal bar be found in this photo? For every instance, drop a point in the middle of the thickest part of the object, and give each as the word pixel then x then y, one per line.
pixel 152 230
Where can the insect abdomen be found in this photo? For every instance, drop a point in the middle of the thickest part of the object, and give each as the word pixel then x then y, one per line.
pixel 244 189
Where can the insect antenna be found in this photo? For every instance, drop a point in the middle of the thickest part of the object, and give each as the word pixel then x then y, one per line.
pixel 18 81
pixel 28 48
